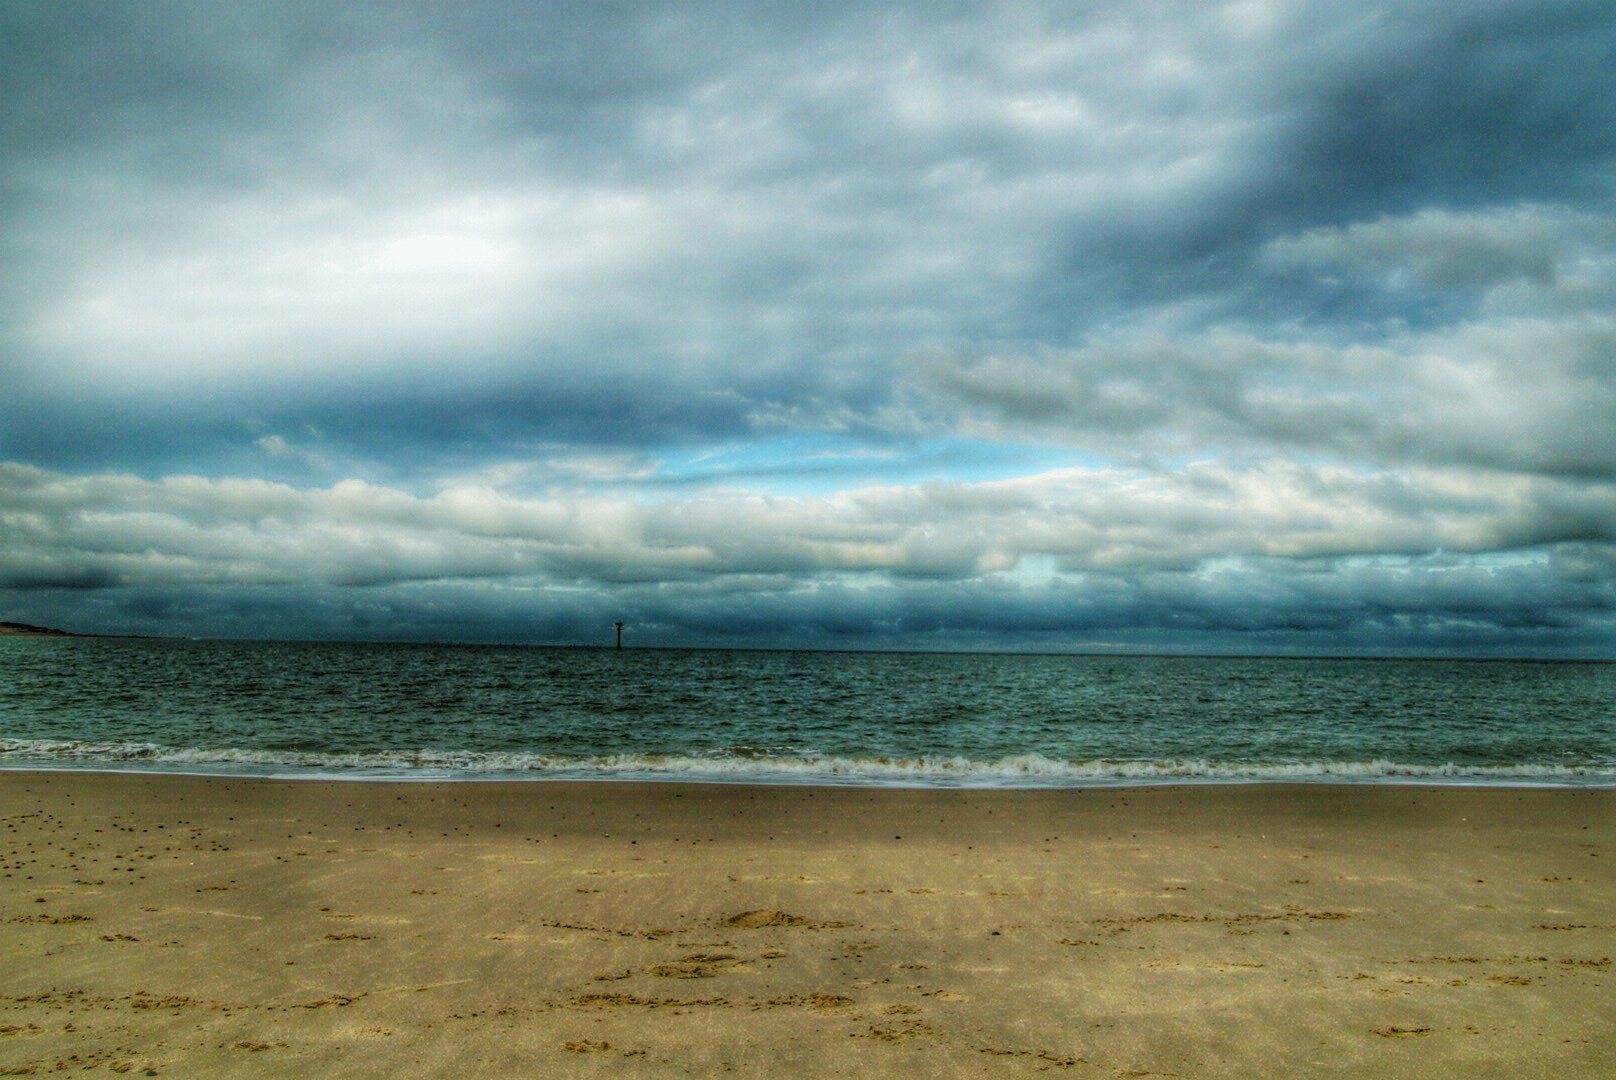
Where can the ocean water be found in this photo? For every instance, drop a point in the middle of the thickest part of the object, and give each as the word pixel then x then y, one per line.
pixel 479 712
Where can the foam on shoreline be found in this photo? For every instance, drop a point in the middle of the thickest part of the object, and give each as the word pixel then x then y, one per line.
pixel 761 767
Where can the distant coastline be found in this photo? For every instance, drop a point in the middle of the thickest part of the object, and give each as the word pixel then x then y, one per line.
pixel 20 629
pixel 27 630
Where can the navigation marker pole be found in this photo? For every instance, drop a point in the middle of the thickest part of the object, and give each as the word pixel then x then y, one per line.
pixel 619 637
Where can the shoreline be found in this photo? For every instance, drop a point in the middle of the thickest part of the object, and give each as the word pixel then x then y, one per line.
pixel 235 926
pixel 1437 778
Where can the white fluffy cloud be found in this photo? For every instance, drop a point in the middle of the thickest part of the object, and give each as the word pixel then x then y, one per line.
pixel 1509 386
pixel 1540 245
pixel 125 530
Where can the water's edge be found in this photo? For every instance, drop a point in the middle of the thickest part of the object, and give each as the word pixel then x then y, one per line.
pixel 1023 772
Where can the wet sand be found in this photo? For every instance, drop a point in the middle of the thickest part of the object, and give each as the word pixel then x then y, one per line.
pixel 225 927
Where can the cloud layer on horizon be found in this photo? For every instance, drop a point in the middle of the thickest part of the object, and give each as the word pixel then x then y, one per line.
pixel 1236 325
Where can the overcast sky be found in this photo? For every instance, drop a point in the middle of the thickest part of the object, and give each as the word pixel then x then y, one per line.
pixel 1194 326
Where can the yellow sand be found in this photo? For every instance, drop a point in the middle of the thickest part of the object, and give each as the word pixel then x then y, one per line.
pixel 216 927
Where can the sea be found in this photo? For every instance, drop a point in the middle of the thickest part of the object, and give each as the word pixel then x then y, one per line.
pixel 477 712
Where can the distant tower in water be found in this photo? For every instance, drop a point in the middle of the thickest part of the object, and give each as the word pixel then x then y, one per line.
pixel 619 637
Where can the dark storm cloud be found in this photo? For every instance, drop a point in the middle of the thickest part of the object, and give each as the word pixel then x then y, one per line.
pixel 748 195
pixel 1504 102
pixel 1527 611
pixel 1384 111
pixel 403 320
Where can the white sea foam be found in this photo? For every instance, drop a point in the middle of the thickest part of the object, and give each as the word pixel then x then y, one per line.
pixel 1018 771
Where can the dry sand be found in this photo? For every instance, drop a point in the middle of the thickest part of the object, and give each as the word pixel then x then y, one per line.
pixel 223 927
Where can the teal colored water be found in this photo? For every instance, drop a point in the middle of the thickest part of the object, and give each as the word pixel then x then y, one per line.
pixel 476 712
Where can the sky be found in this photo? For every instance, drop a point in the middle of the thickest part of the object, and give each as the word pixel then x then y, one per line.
pixel 1168 325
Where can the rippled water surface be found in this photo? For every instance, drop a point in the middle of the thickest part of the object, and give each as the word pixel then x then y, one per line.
pixel 782 717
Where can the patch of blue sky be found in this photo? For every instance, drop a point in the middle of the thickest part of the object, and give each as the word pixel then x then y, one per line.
pixel 814 464
pixel 1036 569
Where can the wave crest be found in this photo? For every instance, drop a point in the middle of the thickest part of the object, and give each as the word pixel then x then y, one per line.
pixel 751 765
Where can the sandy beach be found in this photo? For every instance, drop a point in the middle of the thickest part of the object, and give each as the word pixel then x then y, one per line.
pixel 221 927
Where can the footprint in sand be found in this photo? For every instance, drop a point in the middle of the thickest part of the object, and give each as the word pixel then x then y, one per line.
pixel 813 1001
pixel 697 966
pixel 586 1046
pixel 767 917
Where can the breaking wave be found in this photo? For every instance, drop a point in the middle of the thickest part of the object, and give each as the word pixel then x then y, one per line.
pixel 752 765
